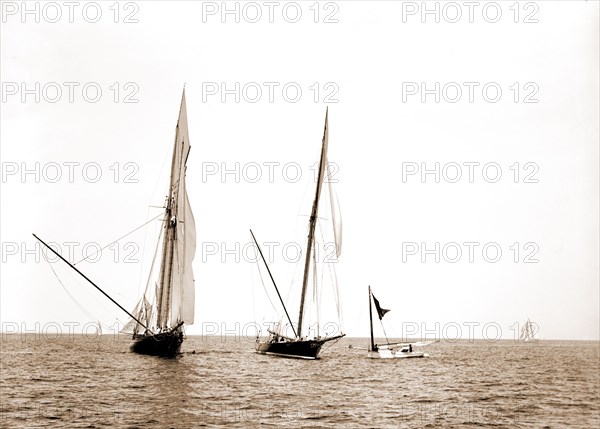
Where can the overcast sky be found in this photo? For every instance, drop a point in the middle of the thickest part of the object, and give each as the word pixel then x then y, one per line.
pixel 500 98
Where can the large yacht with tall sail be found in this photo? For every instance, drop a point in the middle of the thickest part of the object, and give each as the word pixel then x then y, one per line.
pixel 167 304
pixel 302 344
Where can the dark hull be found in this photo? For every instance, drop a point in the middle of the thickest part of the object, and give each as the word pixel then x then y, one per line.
pixel 308 349
pixel 165 344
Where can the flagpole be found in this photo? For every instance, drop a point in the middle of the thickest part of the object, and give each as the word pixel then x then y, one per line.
pixel 371 320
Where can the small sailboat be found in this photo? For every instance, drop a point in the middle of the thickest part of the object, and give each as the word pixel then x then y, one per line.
pixel 168 301
pixel 301 345
pixel 528 331
pixel 98 328
pixel 389 350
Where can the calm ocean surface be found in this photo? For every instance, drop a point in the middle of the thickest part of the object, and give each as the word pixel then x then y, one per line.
pixel 93 382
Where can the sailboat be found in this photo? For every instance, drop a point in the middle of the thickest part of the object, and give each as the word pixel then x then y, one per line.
pixel 168 301
pixel 528 331
pixel 390 350
pixel 302 346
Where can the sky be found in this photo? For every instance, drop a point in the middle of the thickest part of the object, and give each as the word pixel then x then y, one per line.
pixel 464 140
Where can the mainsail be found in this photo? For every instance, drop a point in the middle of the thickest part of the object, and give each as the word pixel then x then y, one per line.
pixel 336 214
pixel 173 302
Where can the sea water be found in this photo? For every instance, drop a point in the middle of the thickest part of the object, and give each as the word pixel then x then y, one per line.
pixel 96 382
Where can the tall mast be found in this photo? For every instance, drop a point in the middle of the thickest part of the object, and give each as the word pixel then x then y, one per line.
pixel 165 267
pixel 311 224
pixel 371 321
pixel 166 262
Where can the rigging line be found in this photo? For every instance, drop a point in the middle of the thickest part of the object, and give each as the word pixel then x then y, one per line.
pixel 162 168
pixel 330 263
pixel 301 205
pixel 144 251
pixel 332 272
pixel 85 277
pixel 118 239
pixel 263 285
pixel 323 261
pixel 158 243
pixel 273 281
pixel 297 266
pixel 338 302
pixel 316 289
pixel 331 343
pixel 384 333
pixel 253 302
pixel 83 310
pixel 86 293
pixel 336 290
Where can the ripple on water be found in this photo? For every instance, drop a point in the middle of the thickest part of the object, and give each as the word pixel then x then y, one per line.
pixel 72 383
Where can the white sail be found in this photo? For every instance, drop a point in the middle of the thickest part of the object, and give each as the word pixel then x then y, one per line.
pixel 175 296
pixel 528 331
pixel 182 294
pixel 336 214
pixel 188 289
pixel 146 316
pixel 143 312
pixel 174 291
pixel 132 326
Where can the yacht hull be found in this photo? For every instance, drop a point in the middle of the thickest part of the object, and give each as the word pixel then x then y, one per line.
pixel 165 344
pixel 297 349
pixel 395 354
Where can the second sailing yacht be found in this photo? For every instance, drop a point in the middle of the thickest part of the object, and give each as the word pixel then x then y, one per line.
pixel 301 345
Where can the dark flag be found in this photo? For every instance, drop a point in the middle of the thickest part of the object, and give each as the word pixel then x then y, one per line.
pixel 380 311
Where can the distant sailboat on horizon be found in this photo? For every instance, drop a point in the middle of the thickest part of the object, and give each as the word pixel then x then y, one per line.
pixel 302 346
pixel 168 302
pixel 528 332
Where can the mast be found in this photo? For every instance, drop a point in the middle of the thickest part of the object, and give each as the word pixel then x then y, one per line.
pixel 172 217
pixel 166 264
pixel 273 280
pixel 92 283
pixel 311 224
pixel 371 320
